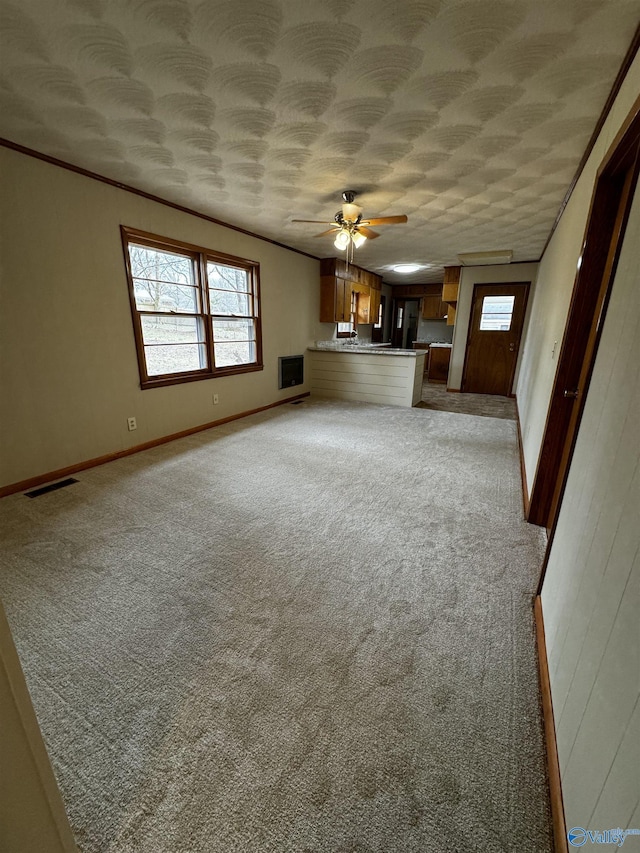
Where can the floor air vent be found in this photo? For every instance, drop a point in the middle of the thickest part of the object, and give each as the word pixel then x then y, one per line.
pixel 290 370
pixel 52 487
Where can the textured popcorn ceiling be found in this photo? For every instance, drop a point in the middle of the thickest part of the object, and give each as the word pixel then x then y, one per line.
pixel 470 116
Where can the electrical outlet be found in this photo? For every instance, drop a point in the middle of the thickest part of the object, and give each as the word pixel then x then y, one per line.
pixel 216 399
pixel 131 423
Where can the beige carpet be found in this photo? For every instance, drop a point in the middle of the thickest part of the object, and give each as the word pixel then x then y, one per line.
pixel 308 631
pixel 436 397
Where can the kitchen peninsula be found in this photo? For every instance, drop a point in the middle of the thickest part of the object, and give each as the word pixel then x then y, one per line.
pixel 368 373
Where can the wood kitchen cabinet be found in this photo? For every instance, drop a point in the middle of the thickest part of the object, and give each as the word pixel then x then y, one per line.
pixel 450 289
pixel 335 300
pixel 374 305
pixel 363 302
pixel 375 294
pixel 439 358
pixel 433 308
pixel 340 284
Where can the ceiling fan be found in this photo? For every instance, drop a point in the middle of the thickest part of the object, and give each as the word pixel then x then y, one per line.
pixel 349 227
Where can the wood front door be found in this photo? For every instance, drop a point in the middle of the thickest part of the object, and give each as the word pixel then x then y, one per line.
pixel 497 317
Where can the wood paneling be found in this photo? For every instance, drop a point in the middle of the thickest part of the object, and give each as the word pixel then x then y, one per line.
pixel 416 291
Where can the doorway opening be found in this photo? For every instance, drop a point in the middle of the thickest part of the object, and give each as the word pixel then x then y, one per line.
pixel 605 229
pixel 406 316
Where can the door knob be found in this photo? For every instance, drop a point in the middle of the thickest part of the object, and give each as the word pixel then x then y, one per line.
pixel 512 347
pixel 572 394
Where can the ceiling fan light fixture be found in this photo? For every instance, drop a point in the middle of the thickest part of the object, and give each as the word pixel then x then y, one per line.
pixel 358 239
pixel 351 212
pixel 342 240
pixel 406 269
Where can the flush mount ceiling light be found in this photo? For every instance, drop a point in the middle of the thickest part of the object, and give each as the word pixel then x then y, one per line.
pixel 405 269
pixel 481 259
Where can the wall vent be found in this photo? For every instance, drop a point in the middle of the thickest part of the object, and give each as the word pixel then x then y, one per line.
pixel 52 487
pixel 290 370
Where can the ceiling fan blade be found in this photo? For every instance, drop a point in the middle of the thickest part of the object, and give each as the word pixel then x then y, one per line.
pixel 313 221
pixel 324 233
pixel 368 233
pixel 385 220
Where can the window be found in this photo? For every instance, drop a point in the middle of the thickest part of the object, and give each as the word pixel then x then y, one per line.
pixel 195 312
pixel 497 312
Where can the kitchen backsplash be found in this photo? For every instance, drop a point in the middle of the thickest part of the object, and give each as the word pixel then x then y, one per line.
pixel 434 330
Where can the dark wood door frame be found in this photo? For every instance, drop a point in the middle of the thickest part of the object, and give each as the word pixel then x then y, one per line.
pixel 472 315
pixel 606 223
pixel 397 335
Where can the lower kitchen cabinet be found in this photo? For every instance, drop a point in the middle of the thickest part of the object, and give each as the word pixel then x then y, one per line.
pixel 439 358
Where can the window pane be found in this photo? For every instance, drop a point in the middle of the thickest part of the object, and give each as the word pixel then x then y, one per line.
pixel 172 330
pixel 178 358
pixel 238 352
pixel 158 265
pixel 234 342
pixel 233 330
pixel 230 302
pixel 497 312
pixel 227 278
pixel 160 296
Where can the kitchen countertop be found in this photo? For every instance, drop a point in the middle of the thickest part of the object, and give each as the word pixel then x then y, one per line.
pixel 445 346
pixel 368 349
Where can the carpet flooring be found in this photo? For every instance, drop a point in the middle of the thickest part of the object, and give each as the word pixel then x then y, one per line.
pixel 307 631
pixel 436 397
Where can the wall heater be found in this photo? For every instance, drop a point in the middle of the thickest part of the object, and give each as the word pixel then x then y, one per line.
pixel 290 370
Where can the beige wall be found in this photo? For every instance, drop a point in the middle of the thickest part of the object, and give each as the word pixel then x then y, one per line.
pixel 591 594
pixel 32 817
pixel 554 285
pixel 469 276
pixel 69 376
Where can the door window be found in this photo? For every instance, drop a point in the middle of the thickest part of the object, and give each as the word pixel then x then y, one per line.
pixel 497 312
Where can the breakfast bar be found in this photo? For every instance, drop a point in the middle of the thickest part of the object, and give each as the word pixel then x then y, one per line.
pixel 366 372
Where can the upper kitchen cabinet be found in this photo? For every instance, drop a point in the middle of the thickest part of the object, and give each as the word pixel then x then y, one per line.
pixel 450 292
pixel 335 300
pixel 347 289
pixel 433 308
